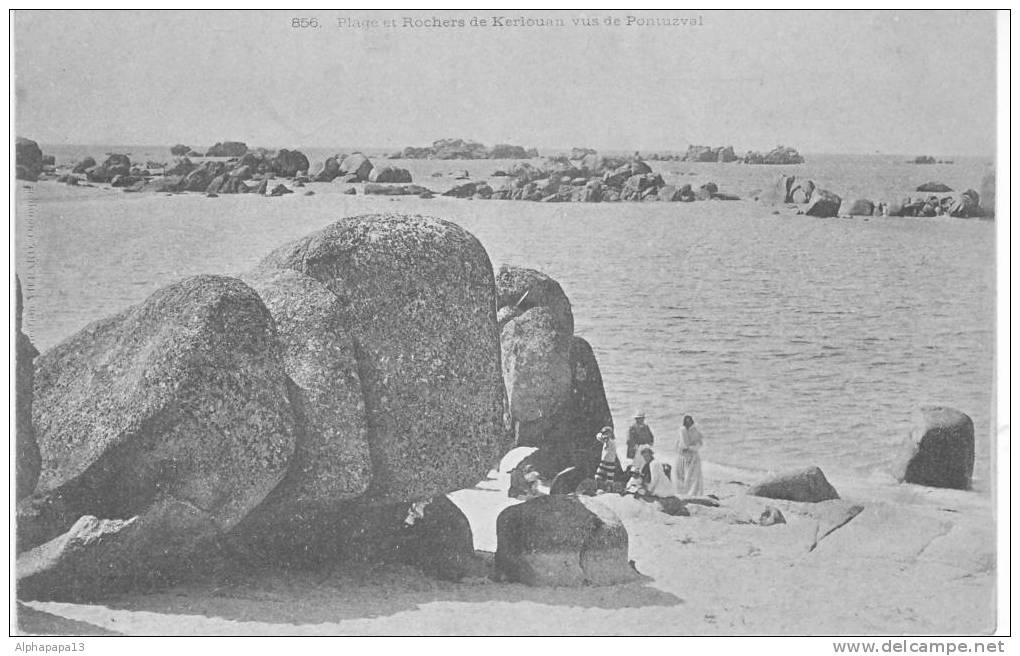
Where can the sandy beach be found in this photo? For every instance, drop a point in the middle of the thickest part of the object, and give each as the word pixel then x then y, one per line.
pixel 914 561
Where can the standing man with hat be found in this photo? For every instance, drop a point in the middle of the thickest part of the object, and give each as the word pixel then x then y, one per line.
pixel 638 434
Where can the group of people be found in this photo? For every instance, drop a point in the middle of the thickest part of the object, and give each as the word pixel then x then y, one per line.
pixel 646 475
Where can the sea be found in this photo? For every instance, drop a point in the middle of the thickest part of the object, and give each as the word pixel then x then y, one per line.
pixel 791 340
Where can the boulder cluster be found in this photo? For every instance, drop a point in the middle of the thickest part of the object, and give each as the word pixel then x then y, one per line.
pixel 357 167
pixel 556 400
pixel 723 154
pixel 589 179
pixel 314 411
pixel 461 149
pixel 249 172
pixel 778 155
pixel 788 190
pixel 791 191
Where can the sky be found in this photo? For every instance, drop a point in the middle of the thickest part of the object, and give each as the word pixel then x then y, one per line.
pixel 907 82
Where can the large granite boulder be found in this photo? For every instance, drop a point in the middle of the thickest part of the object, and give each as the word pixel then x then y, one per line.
pixel 357 165
pixel 536 366
pixel 27 458
pixel 332 457
pixel 418 300
pixel 527 288
pixel 180 400
pixel 28 159
pixel 940 449
pixel 806 485
pixel 823 204
pixel 567 437
pixel 562 540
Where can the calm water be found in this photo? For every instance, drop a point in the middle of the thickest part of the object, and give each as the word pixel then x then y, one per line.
pixel 792 340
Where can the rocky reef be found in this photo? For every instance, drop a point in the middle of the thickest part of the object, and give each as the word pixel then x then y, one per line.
pixel 451 148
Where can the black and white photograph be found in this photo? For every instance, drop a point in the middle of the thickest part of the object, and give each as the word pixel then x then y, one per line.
pixel 474 322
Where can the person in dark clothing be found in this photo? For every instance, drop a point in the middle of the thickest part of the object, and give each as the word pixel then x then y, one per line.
pixel 638 434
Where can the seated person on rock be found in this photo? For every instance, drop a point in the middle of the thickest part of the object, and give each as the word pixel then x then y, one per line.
pixel 649 477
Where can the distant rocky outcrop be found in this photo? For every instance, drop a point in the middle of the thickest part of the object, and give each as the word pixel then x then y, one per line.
pixel 723 154
pixel 228 149
pixel 562 540
pixel 180 150
pixel 778 155
pixel 27 461
pixel 28 159
pixel 461 149
pixel 372 188
pixel 933 187
pixel 962 205
pixel 861 207
pixel 940 449
pixel 804 485
pixel 924 159
pixel 389 174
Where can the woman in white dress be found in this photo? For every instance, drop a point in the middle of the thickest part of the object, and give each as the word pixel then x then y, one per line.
pixel 687 472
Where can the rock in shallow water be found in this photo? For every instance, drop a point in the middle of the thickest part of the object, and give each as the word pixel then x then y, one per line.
pixel 940 449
